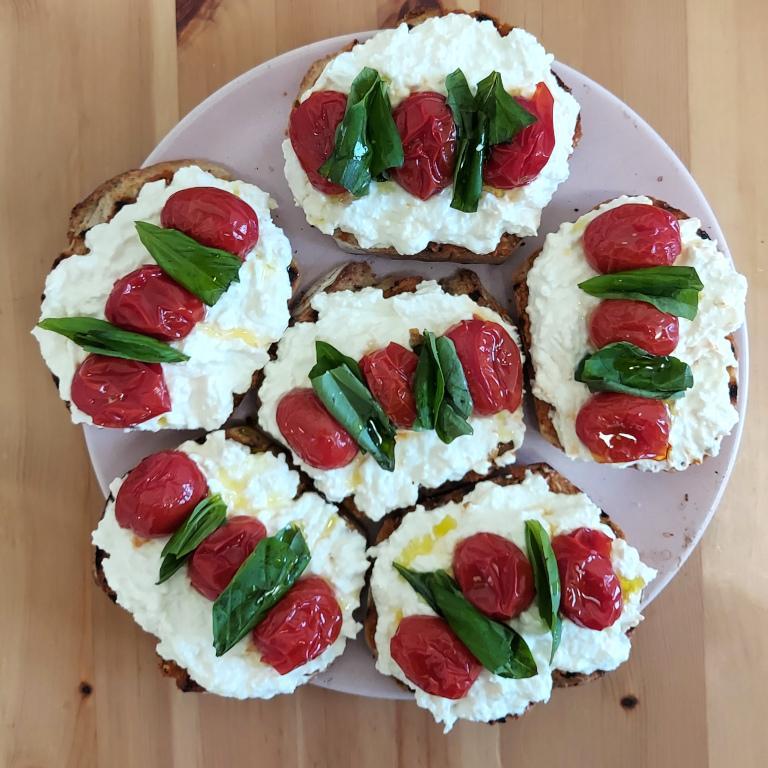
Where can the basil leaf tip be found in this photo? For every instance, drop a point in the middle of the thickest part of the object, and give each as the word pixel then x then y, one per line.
pixel 546 579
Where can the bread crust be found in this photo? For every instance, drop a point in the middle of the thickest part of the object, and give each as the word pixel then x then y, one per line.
pixel 434 251
pixel 544 411
pixel 511 475
pixel 100 206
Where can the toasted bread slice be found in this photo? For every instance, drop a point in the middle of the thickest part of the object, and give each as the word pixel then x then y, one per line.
pixel 521 295
pixel 434 251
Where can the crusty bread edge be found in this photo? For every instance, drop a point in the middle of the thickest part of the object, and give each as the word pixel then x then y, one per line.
pixel 544 410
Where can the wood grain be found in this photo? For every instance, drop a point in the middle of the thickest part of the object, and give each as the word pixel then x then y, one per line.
pixel 88 87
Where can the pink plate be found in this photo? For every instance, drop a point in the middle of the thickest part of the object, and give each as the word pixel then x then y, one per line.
pixel 242 126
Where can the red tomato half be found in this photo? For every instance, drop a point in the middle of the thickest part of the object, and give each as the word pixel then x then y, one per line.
pixel 632 236
pixel 428 133
pixel 312 131
pixel 433 658
pixel 618 428
pixel 494 575
pixel 148 301
pixel 389 374
pixel 214 217
pixel 638 323
pixel 518 162
pixel 300 627
pixel 159 494
pixel 311 432
pixel 491 362
pixel 590 590
pixel 119 393
pixel 216 560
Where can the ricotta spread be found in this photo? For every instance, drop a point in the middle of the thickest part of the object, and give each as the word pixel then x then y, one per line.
pixel 558 310
pixel 419 60
pixel 225 348
pixel 358 322
pixel 260 485
pixel 425 541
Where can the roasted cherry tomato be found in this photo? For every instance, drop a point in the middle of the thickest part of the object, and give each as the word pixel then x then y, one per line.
pixel 518 162
pixel 638 323
pixel 119 393
pixel 591 592
pixel 216 560
pixel 159 494
pixel 300 627
pixel 312 131
pixel 632 236
pixel 148 301
pixel 428 133
pixel 491 362
pixel 433 658
pixel 494 575
pixel 618 428
pixel 312 432
pixel 214 217
pixel 389 374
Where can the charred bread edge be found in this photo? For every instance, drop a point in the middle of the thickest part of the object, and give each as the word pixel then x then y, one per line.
pixel 521 294
pixel 434 251
pixel 511 475
pixel 257 442
pixel 356 275
pixel 109 197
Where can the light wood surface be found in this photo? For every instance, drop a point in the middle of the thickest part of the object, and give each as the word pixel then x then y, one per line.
pixel 87 87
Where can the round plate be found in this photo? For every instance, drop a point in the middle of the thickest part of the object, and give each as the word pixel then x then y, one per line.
pixel 242 126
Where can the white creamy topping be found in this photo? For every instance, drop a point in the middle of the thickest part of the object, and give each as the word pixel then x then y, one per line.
pixel 558 310
pixel 419 60
pixel 425 540
pixel 260 485
pixel 359 322
pixel 225 348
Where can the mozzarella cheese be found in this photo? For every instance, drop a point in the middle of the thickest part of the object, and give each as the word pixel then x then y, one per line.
pixel 419 60
pixel 425 541
pixel 558 310
pixel 225 348
pixel 260 485
pixel 358 322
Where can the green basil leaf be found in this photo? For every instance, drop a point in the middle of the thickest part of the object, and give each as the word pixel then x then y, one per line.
pixel 450 424
pixel 505 117
pixel 103 338
pixel 461 102
pixel 383 136
pixel 428 388
pixel 329 357
pixel 206 272
pixel 456 387
pixel 204 519
pixel 546 579
pixel 623 367
pixel 674 290
pixel 354 407
pixel 498 647
pixel 259 584
pixel 350 162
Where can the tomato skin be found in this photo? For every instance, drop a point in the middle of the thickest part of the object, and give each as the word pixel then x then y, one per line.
pixel 632 236
pixel 119 393
pixel 159 494
pixel 590 589
pixel 518 162
pixel 300 627
pixel 389 375
pixel 494 575
pixel 148 301
pixel 215 562
pixel 433 658
pixel 214 217
pixel 311 432
pixel 428 134
pixel 492 365
pixel 312 131
pixel 618 428
pixel 638 323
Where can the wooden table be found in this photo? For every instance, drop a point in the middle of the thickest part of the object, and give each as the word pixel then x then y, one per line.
pixel 88 88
